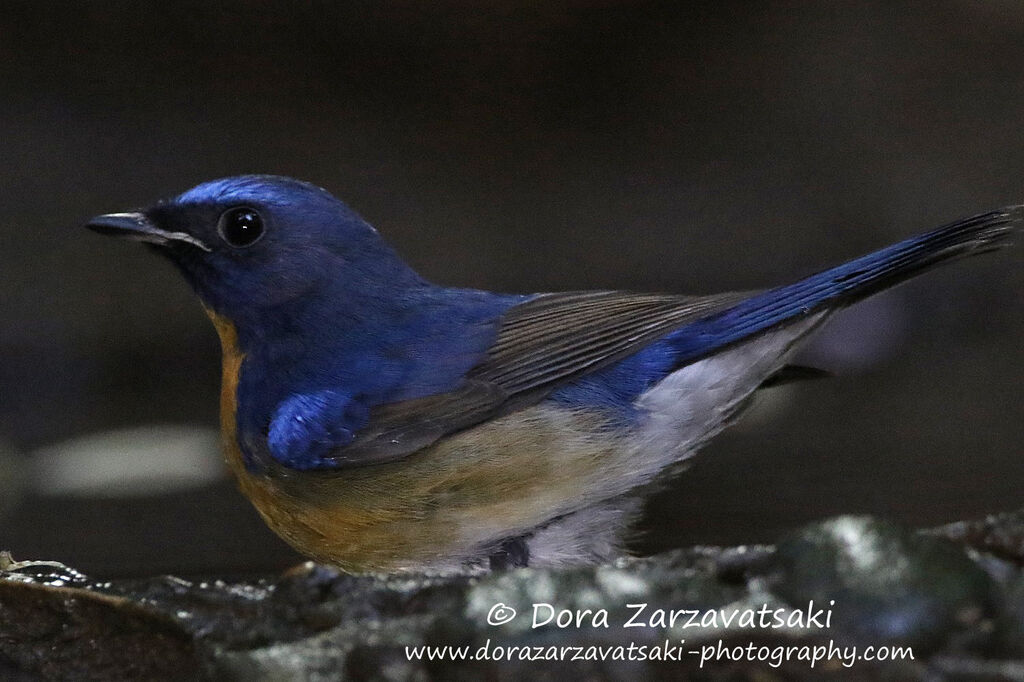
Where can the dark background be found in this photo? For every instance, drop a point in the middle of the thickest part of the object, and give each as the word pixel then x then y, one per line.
pixel 521 146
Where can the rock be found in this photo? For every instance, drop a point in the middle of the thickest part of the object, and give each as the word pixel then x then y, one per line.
pixel 699 613
pixel 884 583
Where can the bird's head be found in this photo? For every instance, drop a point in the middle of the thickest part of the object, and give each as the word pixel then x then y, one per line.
pixel 250 243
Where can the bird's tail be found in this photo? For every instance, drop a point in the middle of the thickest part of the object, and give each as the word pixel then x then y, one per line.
pixel 850 282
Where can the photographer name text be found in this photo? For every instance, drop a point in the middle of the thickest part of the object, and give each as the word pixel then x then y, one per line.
pixel 643 615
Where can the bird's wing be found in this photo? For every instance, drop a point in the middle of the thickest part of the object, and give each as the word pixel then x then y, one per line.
pixel 555 338
pixel 541 344
pixel 558 337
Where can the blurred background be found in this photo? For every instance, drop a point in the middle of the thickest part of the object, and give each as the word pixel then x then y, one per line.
pixel 517 146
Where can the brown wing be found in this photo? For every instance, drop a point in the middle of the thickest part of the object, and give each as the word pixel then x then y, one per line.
pixel 556 337
pixel 541 344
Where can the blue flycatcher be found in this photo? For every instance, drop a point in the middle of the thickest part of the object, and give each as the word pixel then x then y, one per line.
pixel 380 422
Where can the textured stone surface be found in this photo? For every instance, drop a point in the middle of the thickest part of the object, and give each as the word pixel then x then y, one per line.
pixel 954 595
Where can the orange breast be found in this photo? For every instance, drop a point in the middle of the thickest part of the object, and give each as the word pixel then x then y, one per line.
pixel 325 524
pixel 433 509
pixel 230 372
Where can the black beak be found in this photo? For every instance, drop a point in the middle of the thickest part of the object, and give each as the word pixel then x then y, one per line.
pixel 137 227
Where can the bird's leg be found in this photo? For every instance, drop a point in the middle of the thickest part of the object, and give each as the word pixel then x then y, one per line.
pixel 511 553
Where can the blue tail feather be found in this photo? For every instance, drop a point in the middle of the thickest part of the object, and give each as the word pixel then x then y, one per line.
pixel 847 283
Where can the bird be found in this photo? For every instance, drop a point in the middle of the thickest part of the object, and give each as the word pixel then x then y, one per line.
pixel 383 423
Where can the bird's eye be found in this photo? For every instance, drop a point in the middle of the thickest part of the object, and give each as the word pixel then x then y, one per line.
pixel 241 226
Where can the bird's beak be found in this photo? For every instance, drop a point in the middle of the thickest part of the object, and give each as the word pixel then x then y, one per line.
pixel 137 227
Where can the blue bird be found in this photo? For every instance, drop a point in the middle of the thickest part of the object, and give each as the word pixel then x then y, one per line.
pixel 380 422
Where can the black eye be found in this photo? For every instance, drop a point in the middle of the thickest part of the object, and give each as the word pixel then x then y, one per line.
pixel 241 226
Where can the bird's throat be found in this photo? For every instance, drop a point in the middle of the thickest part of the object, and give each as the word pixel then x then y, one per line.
pixel 232 357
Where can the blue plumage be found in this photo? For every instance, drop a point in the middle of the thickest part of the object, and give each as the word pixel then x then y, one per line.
pixel 364 353
pixel 379 421
pixel 841 285
pixel 618 386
